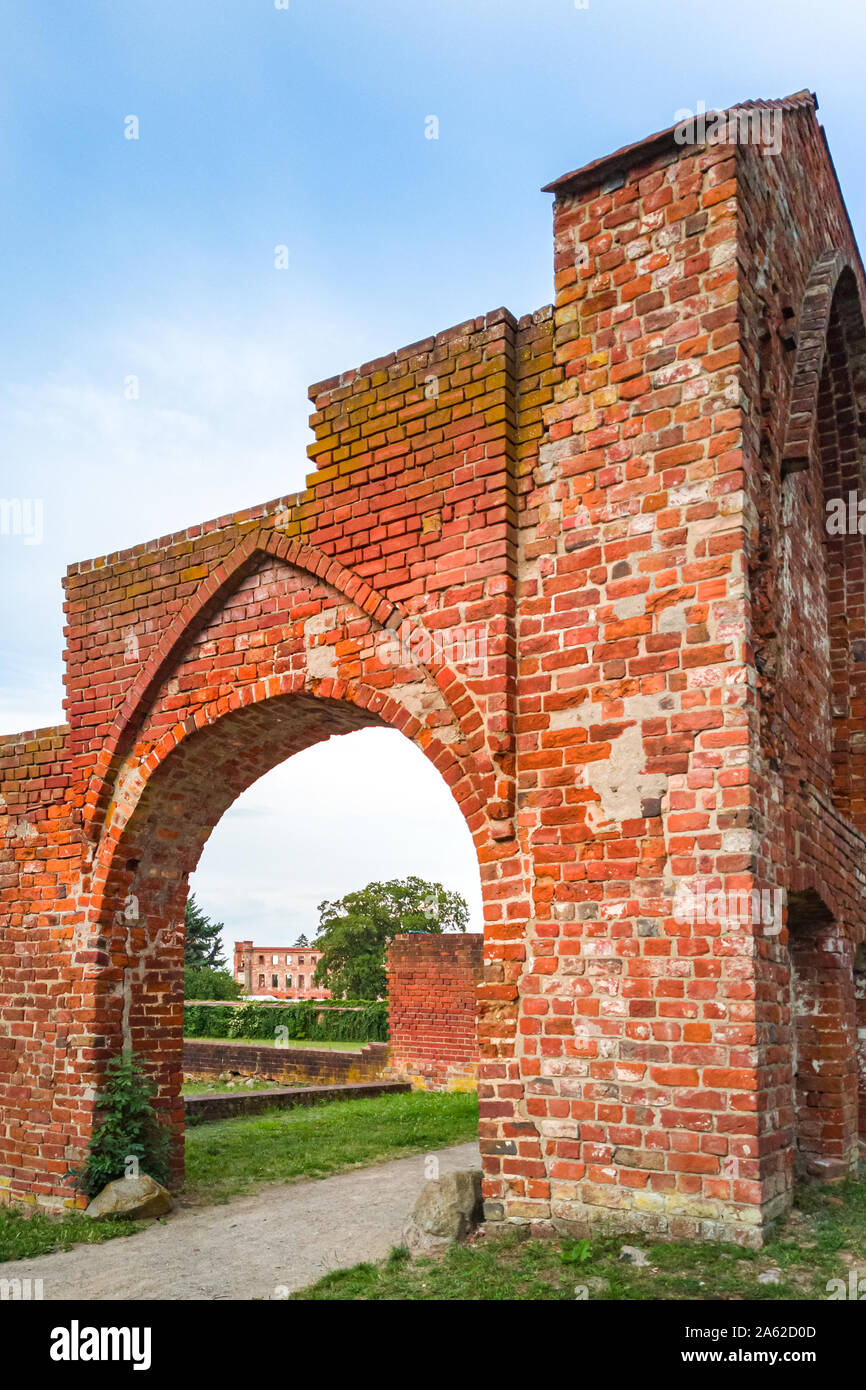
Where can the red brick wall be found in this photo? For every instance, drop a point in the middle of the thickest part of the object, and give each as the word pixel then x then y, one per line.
pixel 432 1008
pixel 289 1064
pixel 802 350
pixel 626 495
pixel 200 660
pixel 860 1023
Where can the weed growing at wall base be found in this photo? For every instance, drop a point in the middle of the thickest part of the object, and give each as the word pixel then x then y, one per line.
pixel 129 1139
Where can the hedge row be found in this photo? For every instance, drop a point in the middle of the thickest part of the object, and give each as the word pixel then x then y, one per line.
pixel 367 1023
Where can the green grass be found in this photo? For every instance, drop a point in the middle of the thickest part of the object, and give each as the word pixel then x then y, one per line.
pixel 332 1045
pixel 238 1155
pixel 821 1240
pixel 25 1234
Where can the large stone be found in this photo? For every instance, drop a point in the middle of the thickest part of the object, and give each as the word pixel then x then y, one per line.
pixel 447 1210
pixel 131 1198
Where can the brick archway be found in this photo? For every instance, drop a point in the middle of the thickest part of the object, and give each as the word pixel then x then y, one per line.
pixel 206 600
pixel 832 280
pixel 823 1040
pixel 162 813
pixel 215 706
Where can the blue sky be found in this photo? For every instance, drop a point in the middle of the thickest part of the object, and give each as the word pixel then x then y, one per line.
pixel 302 127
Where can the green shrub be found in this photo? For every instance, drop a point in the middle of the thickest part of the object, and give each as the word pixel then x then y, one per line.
pixel 129 1130
pixel 201 982
pixel 199 1021
pixel 368 1022
pixel 244 1021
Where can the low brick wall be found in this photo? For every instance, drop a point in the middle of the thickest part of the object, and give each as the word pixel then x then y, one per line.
pixel 200 1109
pixel 319 1065
pixel 432 991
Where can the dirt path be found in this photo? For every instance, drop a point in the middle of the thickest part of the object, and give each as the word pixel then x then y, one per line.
pixel 278 1240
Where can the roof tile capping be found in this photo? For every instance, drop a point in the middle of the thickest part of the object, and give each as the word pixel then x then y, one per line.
pixel 600 169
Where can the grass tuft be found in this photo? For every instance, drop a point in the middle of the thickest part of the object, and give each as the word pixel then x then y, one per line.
pixel 24 1234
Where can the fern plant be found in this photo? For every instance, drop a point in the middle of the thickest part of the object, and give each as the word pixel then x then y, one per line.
pixel 129 1130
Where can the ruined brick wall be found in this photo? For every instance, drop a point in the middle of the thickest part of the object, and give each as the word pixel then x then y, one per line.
pixel 657 1064
pixel 198 661
pixel 801 332
pixel 214 1106
pixel 626 496
pixel 41 997
pixel 860 1006
pixel 433 985
pixel 254 968
pixel 320 1065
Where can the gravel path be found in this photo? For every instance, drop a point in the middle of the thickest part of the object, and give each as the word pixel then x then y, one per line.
pixel 262 1246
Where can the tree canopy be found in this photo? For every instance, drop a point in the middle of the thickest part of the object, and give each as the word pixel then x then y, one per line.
pixel 200 982
pixel 202 944
pixel 354 931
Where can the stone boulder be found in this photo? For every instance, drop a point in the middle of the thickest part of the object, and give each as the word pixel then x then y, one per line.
pixel 447 1210
pixel 130 1198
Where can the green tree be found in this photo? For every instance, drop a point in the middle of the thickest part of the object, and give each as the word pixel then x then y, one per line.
pixel 202 944
pixel 200 982
pixel 354 931
pixel 302 940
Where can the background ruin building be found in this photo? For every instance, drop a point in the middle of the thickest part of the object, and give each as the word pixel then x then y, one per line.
pixel 627 491
pixel 278 972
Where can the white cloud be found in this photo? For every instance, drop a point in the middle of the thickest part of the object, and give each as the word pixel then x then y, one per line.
pixel 219 425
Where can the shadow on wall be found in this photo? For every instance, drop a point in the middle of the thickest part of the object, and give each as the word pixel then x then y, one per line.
pixel 825 981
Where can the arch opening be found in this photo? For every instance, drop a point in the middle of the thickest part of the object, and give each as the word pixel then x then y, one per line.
pixel 148 855
pixel 823 1034
pixel 841 440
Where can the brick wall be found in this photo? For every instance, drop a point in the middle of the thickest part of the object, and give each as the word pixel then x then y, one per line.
pixel 432 1009
pixel 225 1106
pixel 318 1065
